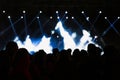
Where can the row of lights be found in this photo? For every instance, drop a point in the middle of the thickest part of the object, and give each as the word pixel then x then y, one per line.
pixel 87 18
pixel 56 12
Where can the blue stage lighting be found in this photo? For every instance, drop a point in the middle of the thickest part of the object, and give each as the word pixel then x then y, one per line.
pixel 87 18
pixel 58 17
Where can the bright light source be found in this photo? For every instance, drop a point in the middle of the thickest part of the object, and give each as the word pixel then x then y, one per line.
pixel 57 12
pixel 51 17
pixel 72 17
pixel 58 17
pixel 37 17
pixel 23 11
pixel 66 12
pixel 96 37
pixel 57 36
pixel 118 17
pixel 105 17
pixel 82 12
pixel 87 18
pixel 100 12
pixel 9 17
pixel 40 11
pixel 67 17
pixel 52 32
pixel 21 17
pixel 3 11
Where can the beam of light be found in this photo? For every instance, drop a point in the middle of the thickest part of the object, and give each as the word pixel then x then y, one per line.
pixel 12 26
pixel 67 39
pixel 111 26
pixel 44 42
pixel 1 33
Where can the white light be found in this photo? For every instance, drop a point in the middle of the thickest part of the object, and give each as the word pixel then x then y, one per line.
pixel 58 17
pixel 66 17
pixel 3 11
pixel 118 17
pixel 37 17
pixel 52 32
pixel 57 36
pixel 56 11
pixel 9 17
pixel 82 12
pixel 105 17
pixel 21 17
pixel 87 18
pixel 66 12
pixel 40 11
pixel 96 37
pixel 51 17
pixel 23 11
pixel 72 17
pixel 100 12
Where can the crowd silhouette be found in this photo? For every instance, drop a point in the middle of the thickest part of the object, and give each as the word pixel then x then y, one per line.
pixel 17 64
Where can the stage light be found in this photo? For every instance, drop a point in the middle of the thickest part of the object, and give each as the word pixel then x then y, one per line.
pixel 3 11
pixel 40 11
pixel 100 12
pixel 9 17
pixel 96 37
pixel 37 17
pixel 57 36
pixel 66 12
pixel 24 11
pixel 57 12
pixel 51 17
pixel 21 17
pixel 118 17
pixel 58 17
pixel 52 32
pixel 72 17
pixel 67 17
pixel 105 17
pixel 82 12
pixel 87 18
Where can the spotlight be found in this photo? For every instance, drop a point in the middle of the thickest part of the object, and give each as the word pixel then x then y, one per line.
pixel 37 17
pixel 51 17
pixel 52 32
pixel 21 17
pixel 66 12
pixel 57 36
pixel 96 37
pixel 105 17
pixel 3 11
pixel 58 17
pixel 118 17
pixel 87 18
pixel 100 12
pixel 72 17
pixel 23 11
pixel 82 12
pixel 40 11
pixel 67 17
pixel 9 17
pixel 57 12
